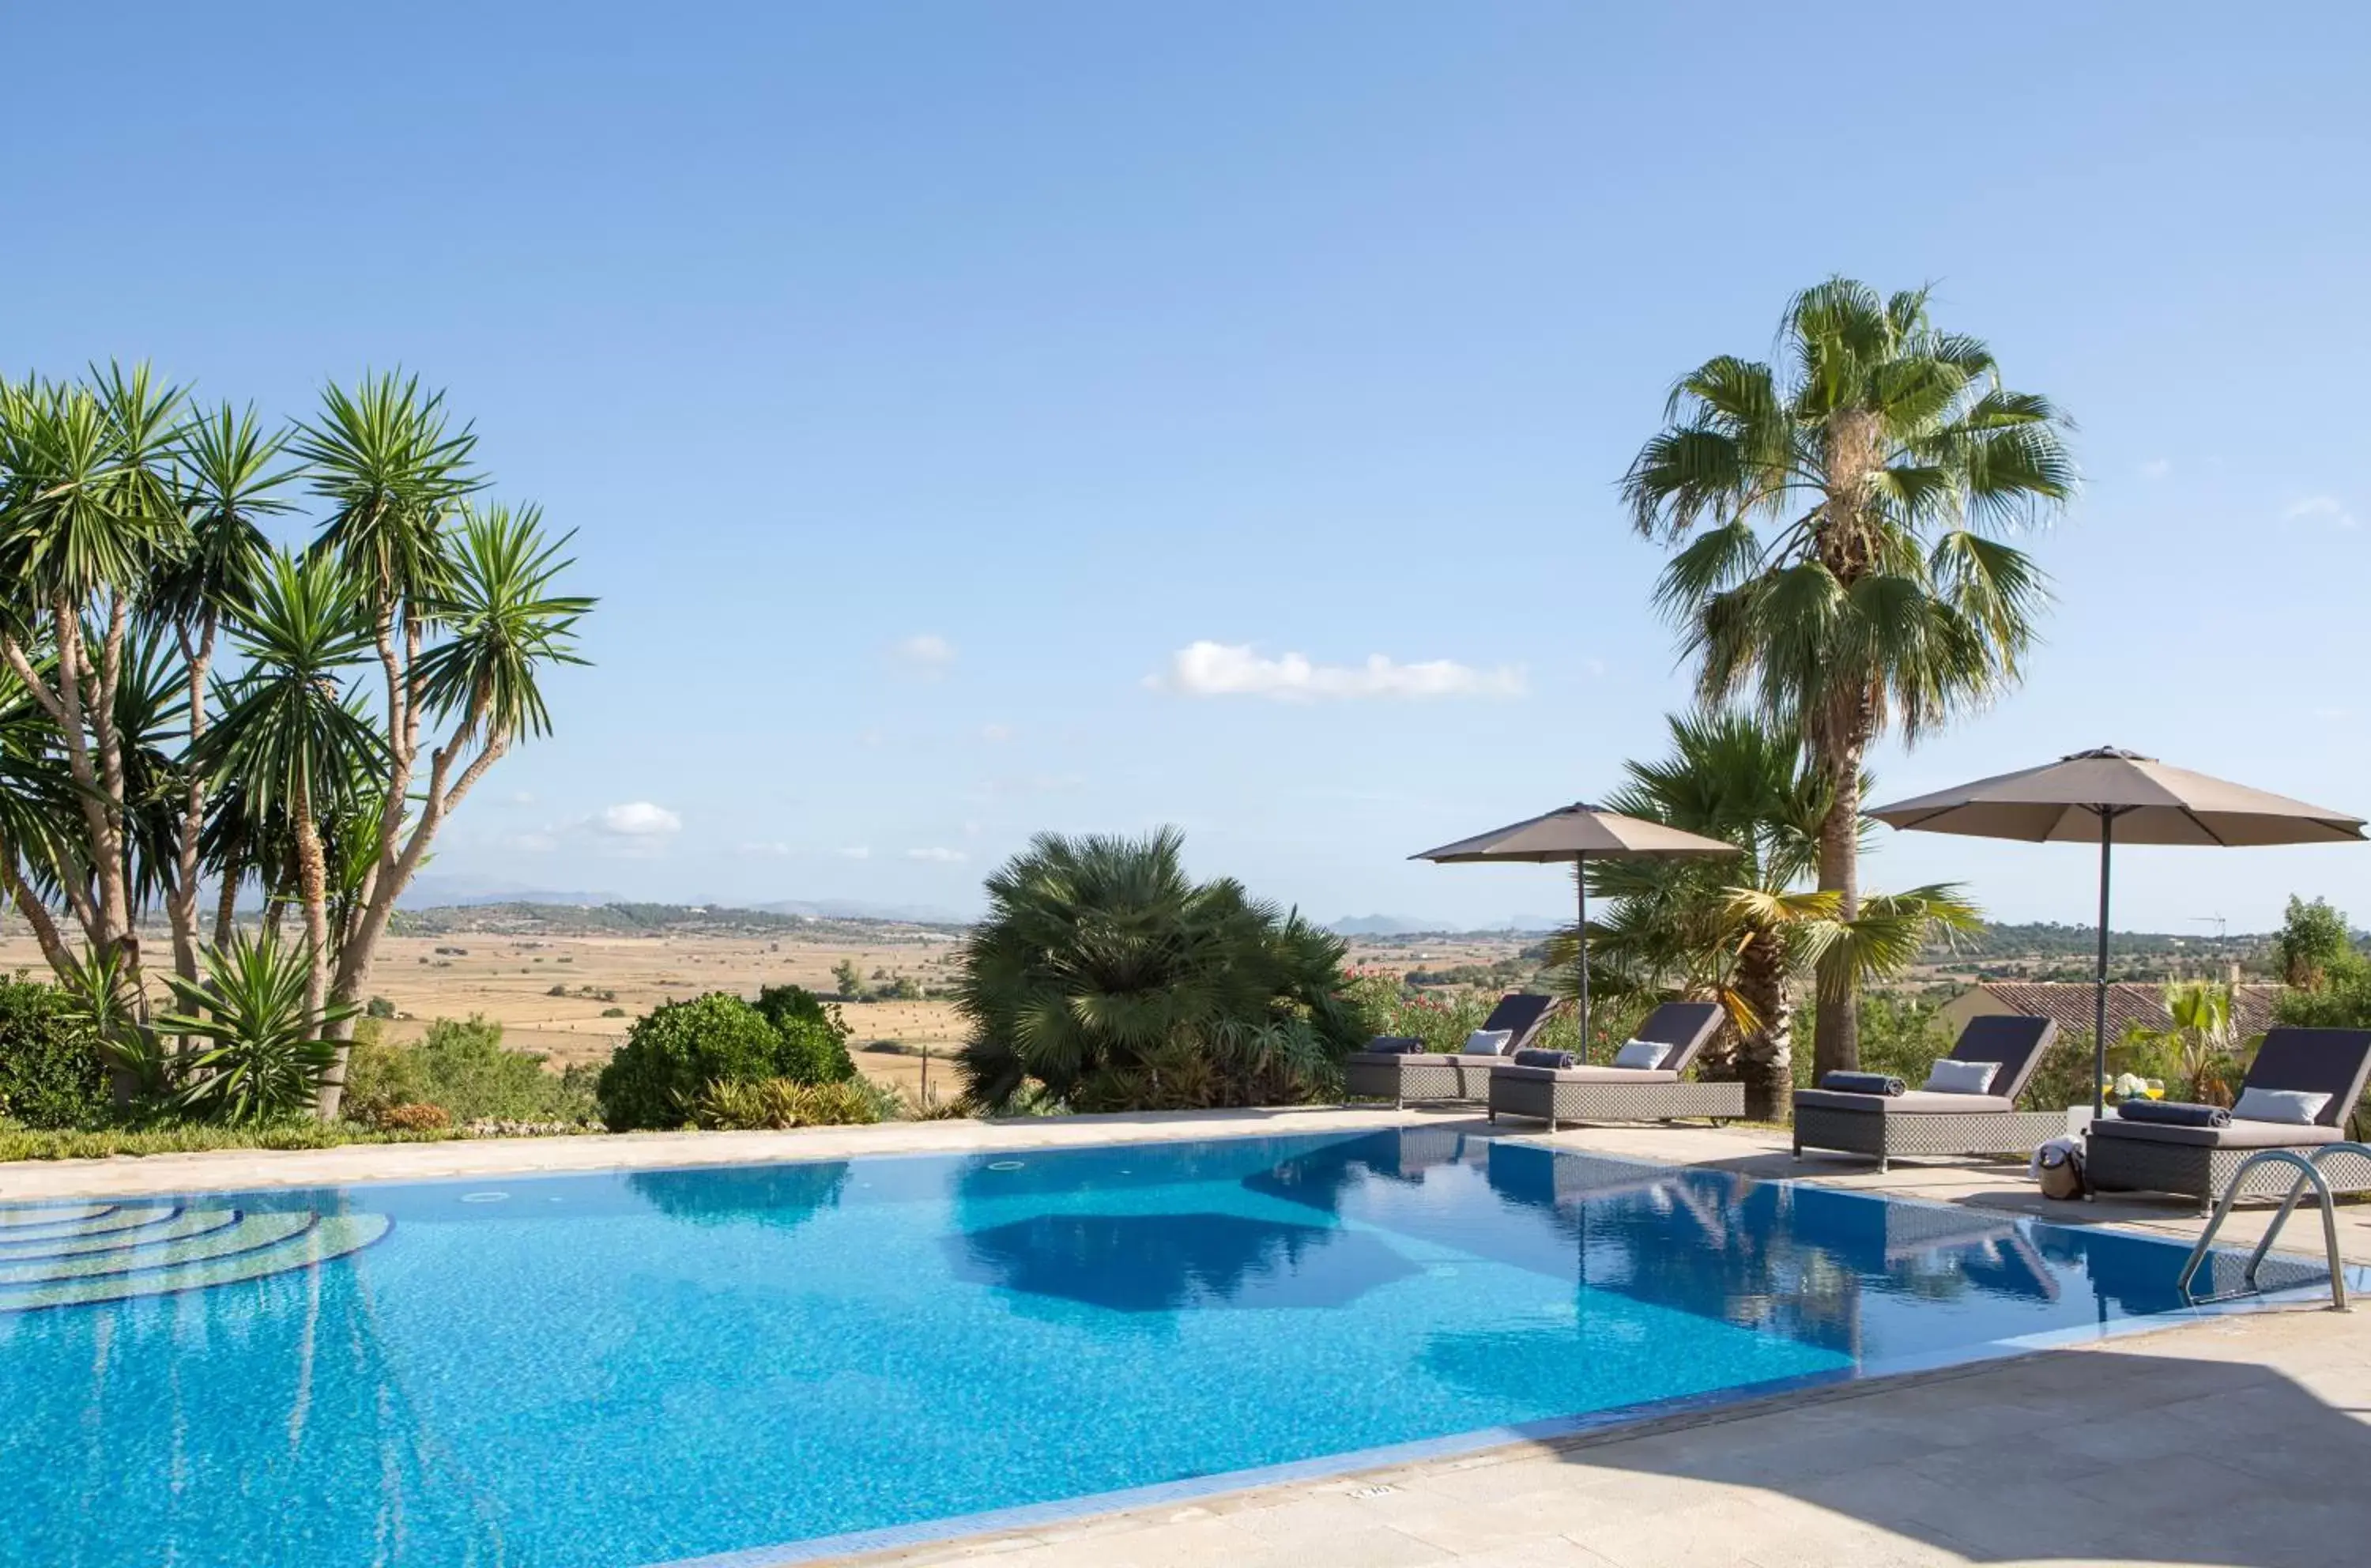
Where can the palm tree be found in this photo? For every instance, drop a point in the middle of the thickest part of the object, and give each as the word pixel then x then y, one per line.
pixel 291 734
pixel 1112 979
pixel 1744 931
pixel 1837 564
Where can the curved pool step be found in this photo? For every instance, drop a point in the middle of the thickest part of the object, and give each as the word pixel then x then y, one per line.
pixel 182 1225
pixel 161 1250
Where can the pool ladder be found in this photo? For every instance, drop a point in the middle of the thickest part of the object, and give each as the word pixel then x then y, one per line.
pixel 2309 1173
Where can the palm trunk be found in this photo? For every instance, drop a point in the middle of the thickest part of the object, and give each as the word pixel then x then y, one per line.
pixel 1835 1035
pixel 1766 1058
pixel 1838 743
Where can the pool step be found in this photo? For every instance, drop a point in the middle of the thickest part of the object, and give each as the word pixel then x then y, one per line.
pixel 75 1256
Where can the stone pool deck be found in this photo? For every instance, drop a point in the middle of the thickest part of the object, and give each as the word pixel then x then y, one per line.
pixel 2241 1440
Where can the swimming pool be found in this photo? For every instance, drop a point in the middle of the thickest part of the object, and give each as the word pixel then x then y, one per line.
pixel 739 1365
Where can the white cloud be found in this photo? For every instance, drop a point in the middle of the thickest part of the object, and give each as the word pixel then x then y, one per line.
pixel 2156 468
pixel 925 653
pixel 941 857
pixel 996 734
pixel 531 843
pixel 637 819
pixel 2326 509
pixel 771 846
pixel 1592 668
pixel 1221 669
pixel 856 852
pixel 519 797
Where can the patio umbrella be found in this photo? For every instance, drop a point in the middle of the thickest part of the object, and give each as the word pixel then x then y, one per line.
pixel 2106 796
pixel 1577 833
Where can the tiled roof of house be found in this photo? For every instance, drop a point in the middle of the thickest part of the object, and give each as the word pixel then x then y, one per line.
pixel 2069 1004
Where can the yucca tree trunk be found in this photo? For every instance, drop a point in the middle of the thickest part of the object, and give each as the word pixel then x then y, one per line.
pixel 313 893
pixel 1766 1056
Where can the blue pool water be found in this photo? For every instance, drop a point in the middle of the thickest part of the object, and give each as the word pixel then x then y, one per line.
pixel 614 1371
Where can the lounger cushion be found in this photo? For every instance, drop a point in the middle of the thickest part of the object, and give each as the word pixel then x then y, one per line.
pixel 1643 1055
pixel 2237 1134
pixel 1947 1076
pixel 1591 1074
pixel 1486 1042
pixel 2295 1106
pixel 1394 1058
pixel 1918 1101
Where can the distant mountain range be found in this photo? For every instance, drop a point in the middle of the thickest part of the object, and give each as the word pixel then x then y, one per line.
pixel 471 893
pixel 1405 925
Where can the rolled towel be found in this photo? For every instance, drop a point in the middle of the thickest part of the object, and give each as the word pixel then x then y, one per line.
pixel 2173 1114
pixel 1395 1046
pixel 1864 1083
pixel 1543 1059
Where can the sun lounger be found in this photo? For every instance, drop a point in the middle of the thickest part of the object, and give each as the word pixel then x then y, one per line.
pixel 1421 1076
pixel 1930 1122
pixel 1557 1095
pixel 2155 1157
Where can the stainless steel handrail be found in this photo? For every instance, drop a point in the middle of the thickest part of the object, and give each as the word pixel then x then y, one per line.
pixel 2308 1167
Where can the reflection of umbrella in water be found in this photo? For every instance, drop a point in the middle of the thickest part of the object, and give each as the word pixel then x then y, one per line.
pixel 2100 797
pixel 1575 835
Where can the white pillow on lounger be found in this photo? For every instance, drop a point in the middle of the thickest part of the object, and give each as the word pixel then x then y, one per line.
pixel 1947 1076
pixel 2291 1105
pixel 1643 1054
pixel 1486 1042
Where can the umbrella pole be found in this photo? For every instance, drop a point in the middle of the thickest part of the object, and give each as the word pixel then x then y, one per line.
pixel 2100 994
pixel 1580 880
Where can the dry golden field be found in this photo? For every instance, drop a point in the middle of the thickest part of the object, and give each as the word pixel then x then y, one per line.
pixel 511 979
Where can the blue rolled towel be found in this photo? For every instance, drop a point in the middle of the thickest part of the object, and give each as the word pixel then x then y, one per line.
pixel 2173 1114
pixel 1544 1059
pixel 1864 1083
pixel 1395 1046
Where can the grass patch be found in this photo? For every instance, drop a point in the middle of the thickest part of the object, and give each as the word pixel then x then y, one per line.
pixel 106 1142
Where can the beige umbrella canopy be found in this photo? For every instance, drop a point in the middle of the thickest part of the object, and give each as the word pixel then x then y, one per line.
pixel 2106 796
pixel 1576 834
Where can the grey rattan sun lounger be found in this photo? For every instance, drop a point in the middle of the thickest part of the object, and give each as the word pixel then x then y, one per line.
pixel 1926 1123
pixel 2153 1157
pixel 1419 1076
pixel 1557 1095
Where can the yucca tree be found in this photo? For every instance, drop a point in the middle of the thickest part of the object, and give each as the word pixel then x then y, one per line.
pixel 502 623
pixel 262 1055
pixel 1745 931
pixel 233 479
pixel 88 510
pixel 1838 563
pixel 1112 979
pixel 291 734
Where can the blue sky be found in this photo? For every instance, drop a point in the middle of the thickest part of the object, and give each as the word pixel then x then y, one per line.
pixel 924 380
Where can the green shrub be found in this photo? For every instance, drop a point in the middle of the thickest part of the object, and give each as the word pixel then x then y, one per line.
pixel 51 1071
pixel 778 1102
pixel 461 1066
pixel 816 1038
pixel 674 1052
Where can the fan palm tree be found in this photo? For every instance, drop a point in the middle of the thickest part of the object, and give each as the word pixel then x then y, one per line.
pixel 1836 522
pixel 1744 931
pixel 1112 979
pixel 291 733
